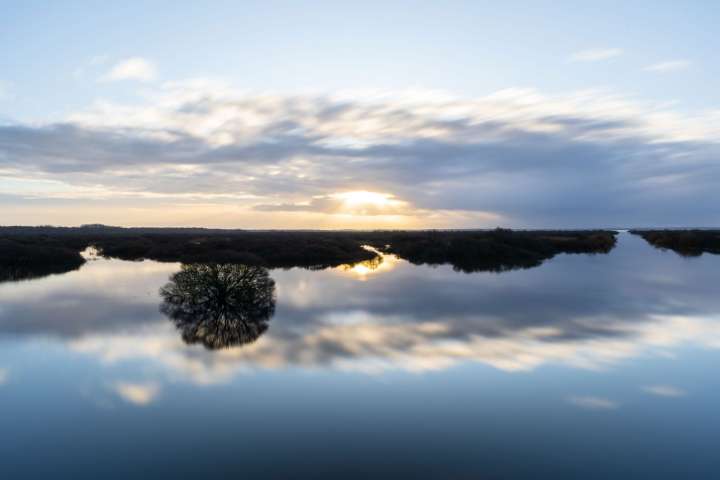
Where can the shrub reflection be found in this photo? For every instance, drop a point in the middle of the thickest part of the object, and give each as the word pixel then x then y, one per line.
pixel 219 305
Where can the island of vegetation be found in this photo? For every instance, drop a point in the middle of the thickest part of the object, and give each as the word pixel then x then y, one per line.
pixel 688 243
pixel 26 252
pixel 491 250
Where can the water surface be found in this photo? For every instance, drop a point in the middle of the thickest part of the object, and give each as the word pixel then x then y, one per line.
pixel 589 366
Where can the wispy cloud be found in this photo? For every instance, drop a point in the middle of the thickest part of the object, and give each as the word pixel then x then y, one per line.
pixel 664 390
pixel 135 68
pixel 3 376
pixel 137 393
pixel 668 66
pixel 595 54
pixel 593 403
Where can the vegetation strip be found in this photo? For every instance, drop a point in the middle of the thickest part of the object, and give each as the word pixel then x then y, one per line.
pixel 26 252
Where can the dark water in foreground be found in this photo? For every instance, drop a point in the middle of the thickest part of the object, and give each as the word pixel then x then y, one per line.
pixel 586 367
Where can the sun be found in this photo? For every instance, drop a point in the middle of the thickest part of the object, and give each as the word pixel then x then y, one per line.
pixel 365 198
pixel 359 204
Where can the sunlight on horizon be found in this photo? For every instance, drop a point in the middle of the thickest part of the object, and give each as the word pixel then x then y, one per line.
pixel 364 197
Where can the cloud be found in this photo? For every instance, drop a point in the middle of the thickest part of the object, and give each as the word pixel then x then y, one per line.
pixel 668 66
pixel 593 403
pixel 514 157
pixel 595 54
pixel 664 391
pixel 140 394
pixel 3 376
pixel 135 68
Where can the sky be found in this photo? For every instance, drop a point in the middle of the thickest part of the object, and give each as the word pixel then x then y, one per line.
pixel 457 114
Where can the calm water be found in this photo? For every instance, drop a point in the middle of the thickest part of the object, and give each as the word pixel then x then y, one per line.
pixel 586 367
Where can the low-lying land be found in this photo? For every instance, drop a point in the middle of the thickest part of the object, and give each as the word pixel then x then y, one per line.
pixel 494 250
pixel 35 251
pixel 21 259
pixel 688 243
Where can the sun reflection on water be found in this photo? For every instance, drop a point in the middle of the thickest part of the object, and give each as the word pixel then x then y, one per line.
pixel 362 270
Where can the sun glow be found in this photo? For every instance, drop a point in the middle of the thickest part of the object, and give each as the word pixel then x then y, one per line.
pixel 366 198
pixel 363 202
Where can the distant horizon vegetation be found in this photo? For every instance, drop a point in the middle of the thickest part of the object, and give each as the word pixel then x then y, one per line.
pixel 102 226
pixel 26 252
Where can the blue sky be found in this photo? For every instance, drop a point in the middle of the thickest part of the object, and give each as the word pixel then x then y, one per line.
pixel 470 48
pixel 86 66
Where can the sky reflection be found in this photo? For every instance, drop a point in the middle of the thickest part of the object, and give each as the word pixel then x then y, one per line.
pixel 590 312
pixel 402 363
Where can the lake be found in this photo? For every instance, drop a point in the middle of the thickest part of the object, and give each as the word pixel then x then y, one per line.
pixel 588 366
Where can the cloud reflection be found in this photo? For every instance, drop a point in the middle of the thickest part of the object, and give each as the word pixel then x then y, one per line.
pixel 593 403
pixel 140 394
pixel 664 391
pixel 376 348
pixel 577 311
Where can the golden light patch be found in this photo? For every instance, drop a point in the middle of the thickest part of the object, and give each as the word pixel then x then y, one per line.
pixel 362 270
pixel 363 197
pixel 363 202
